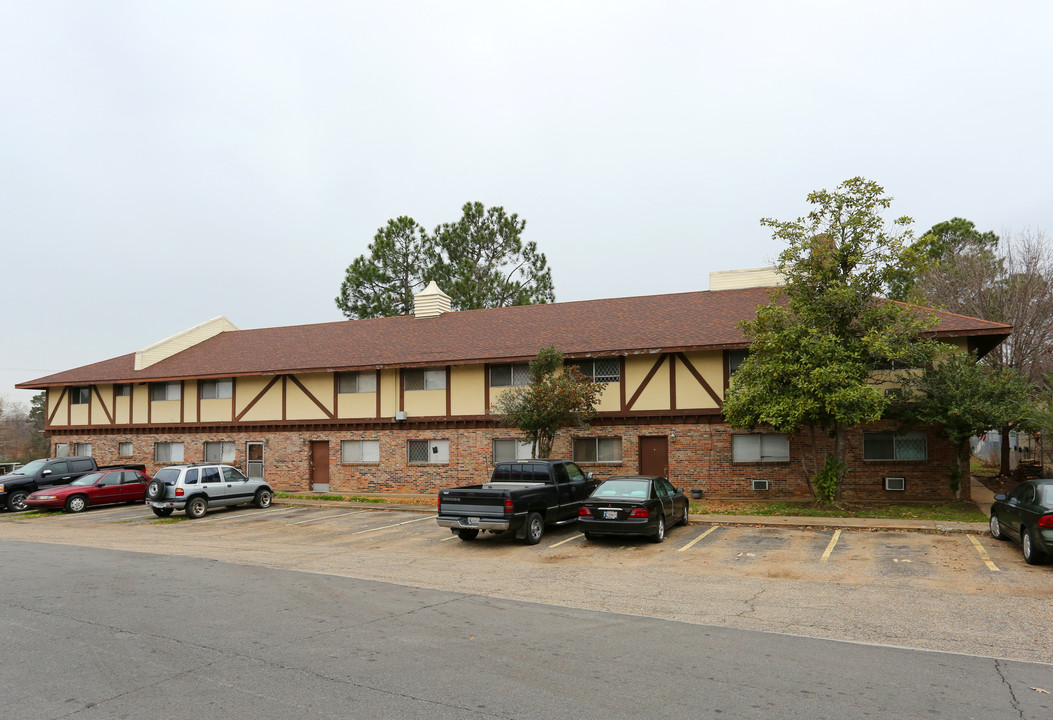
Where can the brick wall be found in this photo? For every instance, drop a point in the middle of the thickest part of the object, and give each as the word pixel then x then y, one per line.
pixel 699 458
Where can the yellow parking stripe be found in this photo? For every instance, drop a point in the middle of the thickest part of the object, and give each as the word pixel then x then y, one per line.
pixel 830 547
pixel 572 537
pixel 707 532
pixel 983 554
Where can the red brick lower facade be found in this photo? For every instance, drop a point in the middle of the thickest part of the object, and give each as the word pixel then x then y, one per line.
pixel 699 458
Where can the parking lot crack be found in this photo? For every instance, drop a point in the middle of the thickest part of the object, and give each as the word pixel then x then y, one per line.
pixel 751 607
pixel 1009 686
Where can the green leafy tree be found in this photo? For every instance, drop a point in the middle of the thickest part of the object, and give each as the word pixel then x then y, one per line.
pixel 936 252
pixel 552 401
pixel 964 398
pixel 815 347
pixel 383 283
pixel 481 261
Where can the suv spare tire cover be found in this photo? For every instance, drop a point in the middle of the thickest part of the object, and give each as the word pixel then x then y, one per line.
pixel 155 490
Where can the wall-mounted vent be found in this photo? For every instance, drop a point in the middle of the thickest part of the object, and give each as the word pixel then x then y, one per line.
pixel 400 415
pixel 760 484
pixel 895 483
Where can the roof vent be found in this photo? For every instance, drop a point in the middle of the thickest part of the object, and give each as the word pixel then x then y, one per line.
pixel 431 302
pixel 740 279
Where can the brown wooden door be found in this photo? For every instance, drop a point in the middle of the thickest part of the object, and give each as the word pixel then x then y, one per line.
pixel 654 456
pixel 320 465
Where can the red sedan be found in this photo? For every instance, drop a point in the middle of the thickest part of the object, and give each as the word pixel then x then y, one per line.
pixel 97 488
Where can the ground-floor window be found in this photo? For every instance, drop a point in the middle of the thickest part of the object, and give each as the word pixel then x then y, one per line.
pixel 604 449
pixel 124 449
pixel 760 447
pixel 219 452
pixel 428 451
pixel 61 450
pixel 511 449
pixel 82 449
pixel 895 446
pixel 168 452
pixel 360 451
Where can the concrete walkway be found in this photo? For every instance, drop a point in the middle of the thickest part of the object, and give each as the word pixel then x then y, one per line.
pixel 426 504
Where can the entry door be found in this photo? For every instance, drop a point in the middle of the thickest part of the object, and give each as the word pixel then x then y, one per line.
pixel 320 465
pixel 254 460
pixel 654 456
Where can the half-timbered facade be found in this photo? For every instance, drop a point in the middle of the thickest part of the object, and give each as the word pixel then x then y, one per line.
pixel 403 403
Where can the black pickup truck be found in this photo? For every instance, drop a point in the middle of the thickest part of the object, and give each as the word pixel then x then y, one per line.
pixel 46 472
pixel 521 497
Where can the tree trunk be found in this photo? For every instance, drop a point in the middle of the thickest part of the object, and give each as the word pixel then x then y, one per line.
pixel 1005 469
pixel 840 452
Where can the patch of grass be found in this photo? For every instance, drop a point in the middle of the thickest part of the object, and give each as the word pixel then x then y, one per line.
pixel 332 498
pixel 946 512
pixel 173 519
pixel 30 514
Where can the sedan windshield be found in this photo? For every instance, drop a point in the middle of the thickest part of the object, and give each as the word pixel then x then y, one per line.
pixel 87 480
pixel 29 468
pixel 622 488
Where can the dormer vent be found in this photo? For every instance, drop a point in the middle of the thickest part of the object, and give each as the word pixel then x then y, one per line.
pixel 431 302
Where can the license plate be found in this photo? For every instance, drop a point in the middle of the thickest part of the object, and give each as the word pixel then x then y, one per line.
pixel 610 514
pixel 471 521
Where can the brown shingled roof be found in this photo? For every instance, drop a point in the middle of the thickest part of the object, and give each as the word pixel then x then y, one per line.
pixel 680 321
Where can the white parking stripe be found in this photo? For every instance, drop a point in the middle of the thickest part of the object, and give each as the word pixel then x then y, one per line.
pixel 330 517
pixel 983 554
pixel 830 547
pixel 385 527
pixel 707 532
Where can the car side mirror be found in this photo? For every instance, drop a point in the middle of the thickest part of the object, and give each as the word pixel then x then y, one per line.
pixel 1001 496
pixel 588 476
pixel 44 472
pixel 680 490
pixel 103 484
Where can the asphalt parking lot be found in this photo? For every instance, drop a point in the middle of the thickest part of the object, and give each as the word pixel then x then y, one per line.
pixel 945 591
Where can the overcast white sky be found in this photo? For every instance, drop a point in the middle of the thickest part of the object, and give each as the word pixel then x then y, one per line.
pixel 162 163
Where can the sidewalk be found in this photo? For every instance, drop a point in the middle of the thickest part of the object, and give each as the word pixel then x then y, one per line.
pixel 412 503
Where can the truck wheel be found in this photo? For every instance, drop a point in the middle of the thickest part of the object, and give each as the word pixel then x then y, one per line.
pixel 16 500
pixel 196 508
pixel 155 490
pixel 535 528
pixel 467 534
pixel 162 512
pixel 76 504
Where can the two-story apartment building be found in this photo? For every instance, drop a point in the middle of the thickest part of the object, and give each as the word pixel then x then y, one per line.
pixel 404 403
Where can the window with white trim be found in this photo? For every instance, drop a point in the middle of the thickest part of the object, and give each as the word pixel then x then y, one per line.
pixel 61 450
pixel 166 391
pixel 760 447
pixel 598 449
pixel 364 381
pixel 219 452
pixel 735 360
pixel 82 449
pixel 122 390
pixel 216 390
pixel 598 369
pixel 895 446
pixel 507 449
pixel 510 375
pixel 425 379
pixel 124 449
pixel 168 452
pixel 80 395
pixel 428 451
pixel 360 451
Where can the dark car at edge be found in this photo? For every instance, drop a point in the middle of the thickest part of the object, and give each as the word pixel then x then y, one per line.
pixel 633 505
pixel 1025 516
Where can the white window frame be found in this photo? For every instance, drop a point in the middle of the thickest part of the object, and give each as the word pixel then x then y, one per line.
pixel 125 449
pixel 431 378
pixel 896 438
pixel 173 450
pixel 61 450
pixel 512 449
pixel 172 391
pixel 217 389
pixel 587 367
pixel 360 452
pixel 518 375
pixel 438 452
pixel 80 395
pixel 607 447
pixel 356 381
pixel 760 447
pixel 82 449
pixel 227 451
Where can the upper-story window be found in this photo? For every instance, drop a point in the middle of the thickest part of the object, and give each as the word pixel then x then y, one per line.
pixel 357 382
pixel 735 360
pixel 216 389
pixel 425 379
pixel 598 369
pixel 80 395
pixel 166 391
pixel 122 390
pixel 509 374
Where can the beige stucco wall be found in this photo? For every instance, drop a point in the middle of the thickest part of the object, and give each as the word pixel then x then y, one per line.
pixel 78 414
pixel 467 390
pixel 610 398
pixel 140 402
pixel 269 407
pixel 425 403
pixel 689 392
pixel 389 393
pixel 656 395
pixel 99 408
pixel 190 394
pixel 164 411
pixel 298 406
pixel 122 410
pixel 216 410
pixel 53 402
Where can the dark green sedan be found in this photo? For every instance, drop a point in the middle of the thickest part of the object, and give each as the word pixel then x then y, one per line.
pixel 1026 516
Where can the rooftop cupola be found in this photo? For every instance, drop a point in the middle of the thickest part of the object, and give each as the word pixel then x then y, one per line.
pixel 431 302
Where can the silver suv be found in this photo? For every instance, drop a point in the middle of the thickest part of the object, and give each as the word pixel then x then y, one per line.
pixel 196 487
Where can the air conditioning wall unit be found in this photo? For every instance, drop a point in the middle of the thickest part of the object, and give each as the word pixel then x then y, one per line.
pixel 895 483
pixel 400 416
pixel 760 484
